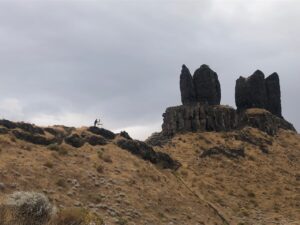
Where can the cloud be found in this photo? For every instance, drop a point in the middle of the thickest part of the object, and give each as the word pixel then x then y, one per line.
pixel 120 60
pixel 11 108
pixel 66 118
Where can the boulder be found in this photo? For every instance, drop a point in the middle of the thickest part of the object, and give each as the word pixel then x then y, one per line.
pixel 125 135
pixel 146 152
pixel 157 139
pixel 75 140
pixel 33 138
pixel 187 86
pixel 207 86
pixel 95 140
pixel 8 124
pixel 103 132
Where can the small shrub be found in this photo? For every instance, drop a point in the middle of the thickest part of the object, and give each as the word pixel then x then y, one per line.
pixel 58 148
pixel 104 157
pixel 53 147
pixel 63 151
pixel 100 169
pixel 251 195
pixel 61 183
pixel 27 208
pixel 13 139
pixel 77 216
pixel 49 165
pixel 122 221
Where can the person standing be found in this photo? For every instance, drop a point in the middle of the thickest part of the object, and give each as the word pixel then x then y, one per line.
pixel 95 122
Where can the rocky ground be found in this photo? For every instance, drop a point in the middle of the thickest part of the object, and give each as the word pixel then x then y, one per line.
pixel 236 177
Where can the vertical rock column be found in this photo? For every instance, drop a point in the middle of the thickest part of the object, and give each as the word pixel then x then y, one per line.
pixel 186 86
pixel 207 86
pixel 274 94
pixel 258 92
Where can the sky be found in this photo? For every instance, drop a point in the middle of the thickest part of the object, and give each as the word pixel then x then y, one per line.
pixel 72 61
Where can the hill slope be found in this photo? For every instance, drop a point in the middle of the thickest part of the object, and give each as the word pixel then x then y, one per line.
pixel 237 177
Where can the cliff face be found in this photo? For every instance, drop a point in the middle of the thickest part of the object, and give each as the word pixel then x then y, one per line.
pixel 197 117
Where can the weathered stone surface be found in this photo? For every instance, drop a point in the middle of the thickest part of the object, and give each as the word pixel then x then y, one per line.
pixel 95 140
pixel 103 132
pixel 249 135
pixel 146 152
pixel 157 139
pixel 75 140
pixel 33 138
pixel 258 92
pixel 274 94
pixel 264 121
pixel 223 150
pixel 198 117
pixel 251 92
pixel 207 86
pixel 187 89
pixel 125 135
pixel 23 126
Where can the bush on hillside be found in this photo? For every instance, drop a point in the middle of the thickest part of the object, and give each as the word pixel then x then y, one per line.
pixel 26 208
pixel 77 216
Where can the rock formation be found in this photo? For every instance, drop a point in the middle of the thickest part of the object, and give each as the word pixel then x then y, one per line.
pixel 207 86
pixel 198 117
pixel 203 87
pixel 257 99
pixel 258 92
pixel 274 94
pixel 187 86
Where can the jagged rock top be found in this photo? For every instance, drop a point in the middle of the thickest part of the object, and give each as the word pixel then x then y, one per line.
pixel 203 87
pixel 256 91
pixel 188 95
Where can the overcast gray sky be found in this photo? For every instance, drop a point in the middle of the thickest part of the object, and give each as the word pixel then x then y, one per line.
pixel 68 62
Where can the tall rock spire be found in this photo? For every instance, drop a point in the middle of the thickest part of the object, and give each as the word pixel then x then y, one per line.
pixel 186 86
pixel 258 92
pixel 207 86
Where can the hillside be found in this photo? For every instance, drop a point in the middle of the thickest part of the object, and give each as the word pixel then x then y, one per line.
pixel 236 177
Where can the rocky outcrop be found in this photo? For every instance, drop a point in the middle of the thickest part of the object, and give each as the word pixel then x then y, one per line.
pixel 223 150
pixel 157 139
pixel 23 126
pixel 264 121
pixel 103 132
pixel 207 86
pixel 146 152
pixel 258 92
pixel 198 117
pixel 187 90
pixel 203 87
pixel 75 140
pixel 33 138
pixel 274 94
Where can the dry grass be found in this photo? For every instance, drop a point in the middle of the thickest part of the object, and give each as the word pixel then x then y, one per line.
pixel 122 188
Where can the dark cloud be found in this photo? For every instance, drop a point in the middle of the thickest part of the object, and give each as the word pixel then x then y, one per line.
pixel 71 61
